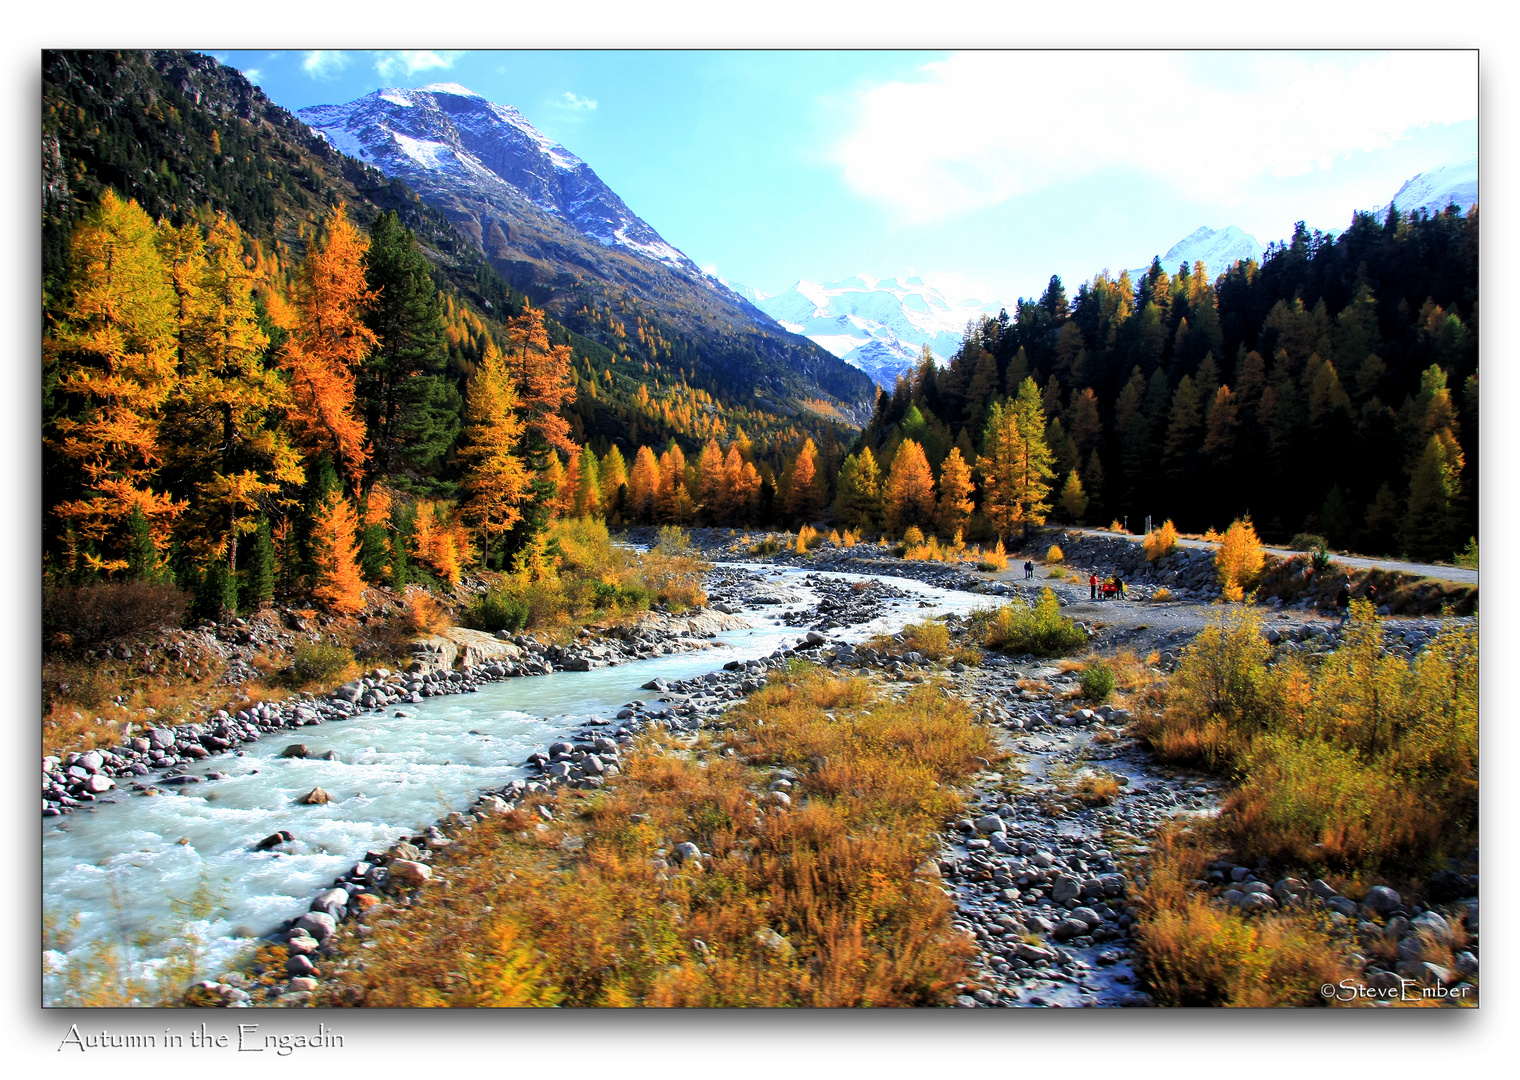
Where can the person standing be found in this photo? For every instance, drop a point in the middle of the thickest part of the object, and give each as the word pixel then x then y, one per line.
pixel 1119 581
pixel 1093 584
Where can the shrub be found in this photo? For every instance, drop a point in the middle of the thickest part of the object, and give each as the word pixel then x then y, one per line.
pixel 1308 542
pixel 421 613
pixel 1098 683
pixel 913 537
pixel 497 610
pixel 1162 542
pixel 673 540
pixel 994 561
pixel 1239 559
pixel 1041 629
pixel 807 539
pixel 1117 526
pixel 1162 594
pixel 1055 554
pixel 76 615
pixel 768 545
pixel 320 663
pixel 1469 556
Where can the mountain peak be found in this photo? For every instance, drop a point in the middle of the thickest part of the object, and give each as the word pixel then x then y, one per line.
pixel 1454 181
pixel 449 88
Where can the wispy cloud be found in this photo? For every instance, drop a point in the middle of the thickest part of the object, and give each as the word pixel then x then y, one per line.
pixel 981 128
pixel 252 75
pixel 574 102
pixel 324 63
pixel 410 61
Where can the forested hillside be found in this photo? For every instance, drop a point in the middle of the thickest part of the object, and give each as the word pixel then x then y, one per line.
pixel 187 171
pixel 1333 389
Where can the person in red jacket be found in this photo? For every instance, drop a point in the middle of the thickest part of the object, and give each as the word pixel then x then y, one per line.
pixel 1093 584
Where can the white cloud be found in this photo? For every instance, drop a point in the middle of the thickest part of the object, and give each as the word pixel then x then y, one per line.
pixel 410 61
pixel 984 127
pixel 324 63
pixel 252 75
pixel 574 102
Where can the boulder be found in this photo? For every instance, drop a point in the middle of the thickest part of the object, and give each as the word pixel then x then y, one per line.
pixel 990 824
pixel 295 750
pixel 274 840
pixel 317 924
pixel 1382 899
pixel 411 873
pixel 315 797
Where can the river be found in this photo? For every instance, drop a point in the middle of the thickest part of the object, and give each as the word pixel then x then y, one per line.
pixel 126 869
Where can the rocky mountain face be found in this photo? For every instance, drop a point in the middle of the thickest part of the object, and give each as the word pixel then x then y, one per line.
pixel 1217 249
pixel 1433 190
pixel 552 228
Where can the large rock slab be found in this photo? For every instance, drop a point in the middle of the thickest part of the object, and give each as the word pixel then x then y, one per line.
pixel 457 646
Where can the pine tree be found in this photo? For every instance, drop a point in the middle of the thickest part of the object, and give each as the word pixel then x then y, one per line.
pixel 374 542
pixel 258 571
pixel 1427 532
pixel 909 495
pixel 955 490
pixel 338 585
pixel 496 481
pixel 1093 485
pixel 144 563
pixel 411 411
pixel 614 478
pixel 554 486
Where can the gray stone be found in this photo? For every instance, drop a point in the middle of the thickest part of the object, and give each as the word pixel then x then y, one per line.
pixel 1433 925
pixel 300 966
pixel 1257 901
pixel 1065 888
pixel 300 943
pixel 411 873
pixel 1322 890
pixel 1425 973
pixel 332 901
pixel 91 761
pixel 991 823
pixel 1382 899
pixel 1342 906
pixel 685 850
pixel 1069 928
pixel 318 924
pixel 1088 916
pixel 99 783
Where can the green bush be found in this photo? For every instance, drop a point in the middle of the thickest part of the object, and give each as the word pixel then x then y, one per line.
pixel 1308 542
pixel 495 611
pixel 1041 629
pixel 319 662
pixel 673 540
pixel 1098 683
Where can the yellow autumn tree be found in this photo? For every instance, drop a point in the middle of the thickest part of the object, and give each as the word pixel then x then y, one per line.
pixel 805 484
pixel 111 358
pixel 643 485
pixel 909 493
pixel 588 492
pixel 495 478
pixel 339 586
pixel 955 489
pixel 329 342
pixel 1161 542
pixel 1239 559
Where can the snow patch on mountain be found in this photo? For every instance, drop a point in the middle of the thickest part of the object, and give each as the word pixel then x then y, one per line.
pixel 1454 181
pixel 878 324
pixel 448 140
pixel 1217 249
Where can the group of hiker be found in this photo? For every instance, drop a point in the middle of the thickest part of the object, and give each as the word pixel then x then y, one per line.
pixel 1113 588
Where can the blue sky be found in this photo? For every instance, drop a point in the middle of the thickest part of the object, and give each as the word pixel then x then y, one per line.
pixel 985 172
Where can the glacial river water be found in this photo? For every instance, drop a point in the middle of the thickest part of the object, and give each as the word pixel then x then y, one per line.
pixel 127 869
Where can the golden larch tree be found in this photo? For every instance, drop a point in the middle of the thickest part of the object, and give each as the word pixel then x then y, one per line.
pixel 339 585
pixel 495 478
pixel 112 356
pixel 1239 559
pixel 329 342
pixel 955 489
pixel 910 489
pixel 643 485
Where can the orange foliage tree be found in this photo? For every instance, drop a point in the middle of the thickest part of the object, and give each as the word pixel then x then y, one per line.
pixel 643 485
pixel 335 555
pixel 1239 559
pixel 910 489
pixel 329 341
pixel 954 494
pixel 807 487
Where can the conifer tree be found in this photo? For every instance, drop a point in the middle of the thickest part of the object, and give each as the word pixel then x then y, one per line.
pixel 643 485
pixel 553 484
pixel 1427 532
pixel 496 481
pixel 110 360
pixel 709 480
pixel 955 489
pixel 909 495
pixel 804 496
pixel 859 502
pixel 338 585
pixel 1093 485
pixel 328 344
pixel 614 479
pixel 1074 499
pixel 588 493
pixel 410 410
pixel 258 571
pixel 374 543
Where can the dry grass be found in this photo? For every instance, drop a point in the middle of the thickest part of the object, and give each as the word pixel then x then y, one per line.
pixel 932 639
pixel 1195 953
pixel 826 903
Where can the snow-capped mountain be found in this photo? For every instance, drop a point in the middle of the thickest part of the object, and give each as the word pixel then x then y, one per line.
pixel 878 324
pixel 555 231
pixel 446 135
pixel 1454 182
pixel 1217 249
